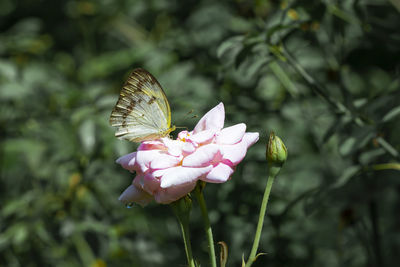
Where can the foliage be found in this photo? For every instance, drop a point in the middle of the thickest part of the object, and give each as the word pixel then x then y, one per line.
pixel 324 75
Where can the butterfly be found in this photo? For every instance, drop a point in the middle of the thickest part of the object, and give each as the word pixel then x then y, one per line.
pixel 142 111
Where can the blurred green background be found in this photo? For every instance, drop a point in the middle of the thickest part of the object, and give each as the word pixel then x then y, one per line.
pixel 324 75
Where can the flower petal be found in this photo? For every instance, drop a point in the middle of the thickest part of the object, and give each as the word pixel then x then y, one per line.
pixel 151 145
pixel 134 194
pixel 234 153
pixel 160 172
pixel 203 156
pixel 144 157
pixel 148 182
pixel 231 135
pixel 219 174
pixel 163 161
pixel 183 135
pixel 168 195
pixel 128 161
pixel 178 176
pixel 203 136
pixel 250 138
pixel 174 146
pixel 188 148
pixel 214 119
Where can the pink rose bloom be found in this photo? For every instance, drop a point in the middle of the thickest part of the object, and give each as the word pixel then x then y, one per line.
pixel 167 169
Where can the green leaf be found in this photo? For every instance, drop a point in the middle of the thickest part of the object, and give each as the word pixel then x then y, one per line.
pixel 223 257
pixel 391 114
pixel 347 174
pixel 231 43
pixel 87 135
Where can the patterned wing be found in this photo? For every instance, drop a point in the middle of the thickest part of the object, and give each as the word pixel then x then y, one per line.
pixel 142 111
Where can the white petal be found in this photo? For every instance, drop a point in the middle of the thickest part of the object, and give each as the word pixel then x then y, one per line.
pixel 178 176
pixel 219 174
pixel 231 135
pixel 144 158
pixel 250 138
pixel 147 182
pixel 203 136
pixel 168 195
pixel 188 148
pixel 164 161
pixel 203 156
pixel 234 153
pixel 161 172
pixel 214 119
pixel 174 146
pixel 127 161
pixel 134 194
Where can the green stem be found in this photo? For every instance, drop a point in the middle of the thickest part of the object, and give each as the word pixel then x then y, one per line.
pixel 263 208
pixel 386 166
pixel 181 209
pixel 207 226
pixel 186 241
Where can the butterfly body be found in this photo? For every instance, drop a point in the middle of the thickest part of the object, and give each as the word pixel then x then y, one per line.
pixel 142 111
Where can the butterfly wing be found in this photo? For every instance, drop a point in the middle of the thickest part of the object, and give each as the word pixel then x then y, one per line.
pixel 142 111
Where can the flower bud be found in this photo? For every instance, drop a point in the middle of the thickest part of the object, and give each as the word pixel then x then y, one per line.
pixel 276 153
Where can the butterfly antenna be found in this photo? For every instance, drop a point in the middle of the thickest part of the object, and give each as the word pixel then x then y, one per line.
pixel 186 115
pixel 181 127
pixel 190 112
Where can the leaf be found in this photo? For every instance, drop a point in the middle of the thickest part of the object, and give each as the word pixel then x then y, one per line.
pixel 391 114
pixel 8 71
pixel 283 78
pixel 334 128
pixel 87 135
pixel 259 254
pixel 13 91
pixel 250 68
pixel 19 233
pixel 243 54
pixel 370 155
pixel 107 63
pixel 278 28
pixel 356 142
pixel 347 146
pixel 229 44
pixel 82 113
pixel 347 174
pixel 223 256
pixel 388 147
pixel 32 151
pixel 15 206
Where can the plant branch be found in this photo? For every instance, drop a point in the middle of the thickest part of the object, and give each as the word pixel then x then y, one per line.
pixel 253 253
pixel 207 226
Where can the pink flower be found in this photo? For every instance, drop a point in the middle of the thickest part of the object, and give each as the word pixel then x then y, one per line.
pixel 167 169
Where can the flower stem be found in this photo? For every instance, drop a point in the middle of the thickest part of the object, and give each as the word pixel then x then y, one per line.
pixel 207 227
pixel 263 208
pixel 186 241
pixel 182 209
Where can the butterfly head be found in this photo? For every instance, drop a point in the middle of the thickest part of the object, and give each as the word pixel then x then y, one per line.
pixel 170 130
